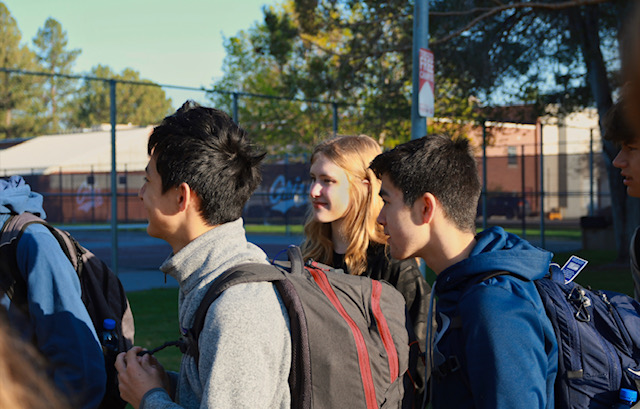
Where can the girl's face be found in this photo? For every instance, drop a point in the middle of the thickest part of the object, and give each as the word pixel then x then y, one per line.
pixel 628 161
pixel 329 190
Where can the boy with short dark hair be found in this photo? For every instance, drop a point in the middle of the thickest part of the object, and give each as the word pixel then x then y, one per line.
pixel 494 347
pixel 201 172
pixel 618 131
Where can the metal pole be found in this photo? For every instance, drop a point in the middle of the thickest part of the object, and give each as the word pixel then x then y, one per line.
pixel 524 199
pixel 484 175
pixel 288 195
pixel 335 118
pixel 61 220
pixel 235 107
pixel 93 196
pixel 126 194
pixel 420 40
pixel 542 241
pixel 591 203
pixel 114 182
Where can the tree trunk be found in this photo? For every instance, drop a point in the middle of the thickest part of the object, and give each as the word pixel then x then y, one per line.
pixel 583 23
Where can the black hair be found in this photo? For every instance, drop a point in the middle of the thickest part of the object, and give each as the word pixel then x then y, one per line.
pixel 204 148
pixel 439 165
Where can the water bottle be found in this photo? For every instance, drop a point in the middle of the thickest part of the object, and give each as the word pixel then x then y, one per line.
pixel 626 400
pixel 109 337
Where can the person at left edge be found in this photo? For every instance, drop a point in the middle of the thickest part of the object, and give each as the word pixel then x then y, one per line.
pixel 58 321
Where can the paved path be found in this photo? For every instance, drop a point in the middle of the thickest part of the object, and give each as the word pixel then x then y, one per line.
pixel 139 255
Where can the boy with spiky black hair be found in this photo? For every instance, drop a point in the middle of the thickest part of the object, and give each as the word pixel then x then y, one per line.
pixel 202 170
pixel 495 347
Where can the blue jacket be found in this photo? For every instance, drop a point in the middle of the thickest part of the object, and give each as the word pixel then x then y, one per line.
pixel 58 319
pixel 505 350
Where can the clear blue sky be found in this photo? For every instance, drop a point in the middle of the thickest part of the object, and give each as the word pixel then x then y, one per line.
pixel 167 41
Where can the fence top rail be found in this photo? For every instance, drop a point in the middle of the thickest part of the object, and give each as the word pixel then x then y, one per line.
pixel 179 87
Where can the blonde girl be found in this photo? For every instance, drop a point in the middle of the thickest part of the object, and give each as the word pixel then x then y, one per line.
pixel 341 229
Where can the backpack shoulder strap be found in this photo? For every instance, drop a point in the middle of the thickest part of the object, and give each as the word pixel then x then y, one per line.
pixel 242 274
pixel 12 231
pixel 300 373
pixel 12 283
pixel 16 225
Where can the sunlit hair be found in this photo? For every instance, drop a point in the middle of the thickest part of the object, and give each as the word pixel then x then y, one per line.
pixel 353 154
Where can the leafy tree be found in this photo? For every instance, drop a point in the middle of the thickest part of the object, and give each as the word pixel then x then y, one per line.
pixel 136 103
pixel 51 50
pixel 17 92
pixel 561 53
pixel 334 51
pixel 546 52
pixel 259 62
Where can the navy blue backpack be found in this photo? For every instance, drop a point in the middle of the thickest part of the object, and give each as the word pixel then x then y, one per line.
pixel 598 335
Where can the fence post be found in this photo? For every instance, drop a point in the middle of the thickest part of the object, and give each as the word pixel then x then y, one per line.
pixel 126 194
pixel 542 241
pixel 484 174
pixel 335 118
pixel 92 178
pixel 114 181
pixel 524 198
pixel 591 204
pixel 61 196
pixel 234 107
pixel 287 227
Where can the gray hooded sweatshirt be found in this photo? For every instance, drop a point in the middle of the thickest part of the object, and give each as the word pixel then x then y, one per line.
pixel 245 346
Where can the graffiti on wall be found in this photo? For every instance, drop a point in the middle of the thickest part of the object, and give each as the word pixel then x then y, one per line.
pixel 285 194
pixel 88 197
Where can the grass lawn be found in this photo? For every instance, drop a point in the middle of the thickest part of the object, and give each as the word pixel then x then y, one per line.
pixel 551 232
pixel 602 272
pixel 156 319
pixel 273 228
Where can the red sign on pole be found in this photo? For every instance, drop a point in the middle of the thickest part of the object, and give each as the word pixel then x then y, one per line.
pixel 425 96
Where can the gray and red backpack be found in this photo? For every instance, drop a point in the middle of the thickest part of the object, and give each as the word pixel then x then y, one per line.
pixel 350 346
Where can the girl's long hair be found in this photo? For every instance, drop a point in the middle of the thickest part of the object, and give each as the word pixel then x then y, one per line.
pixel 353 154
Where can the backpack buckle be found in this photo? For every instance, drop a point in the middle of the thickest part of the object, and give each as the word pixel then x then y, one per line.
pixel 578 298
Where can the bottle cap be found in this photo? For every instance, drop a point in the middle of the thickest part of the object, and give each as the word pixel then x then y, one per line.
pixel 110 324
pixel 628 395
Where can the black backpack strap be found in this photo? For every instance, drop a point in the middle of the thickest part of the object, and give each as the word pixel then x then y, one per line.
pixel 15 285
pixel 300 373
pixel 242 274
pixel 295 257
pixel 12 283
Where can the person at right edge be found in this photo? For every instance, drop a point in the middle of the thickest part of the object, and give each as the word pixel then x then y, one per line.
pixel 622 127
pixel 495 347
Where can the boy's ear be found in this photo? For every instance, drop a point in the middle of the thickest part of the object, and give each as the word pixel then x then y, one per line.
pixel 184 196
pixel 427 205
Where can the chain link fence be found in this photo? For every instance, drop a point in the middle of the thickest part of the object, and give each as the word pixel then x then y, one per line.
pixel 550 171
